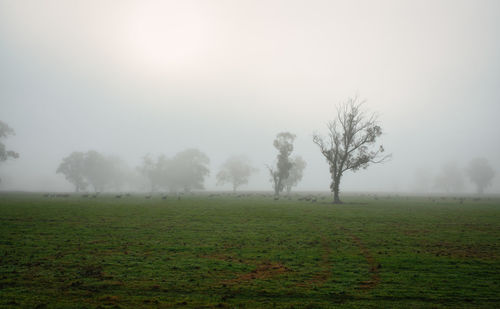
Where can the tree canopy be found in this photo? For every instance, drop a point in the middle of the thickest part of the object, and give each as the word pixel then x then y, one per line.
pixel 480 173
pixel 279 173
pixel 236 171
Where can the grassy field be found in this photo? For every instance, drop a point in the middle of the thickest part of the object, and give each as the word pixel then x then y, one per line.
pixel 252 251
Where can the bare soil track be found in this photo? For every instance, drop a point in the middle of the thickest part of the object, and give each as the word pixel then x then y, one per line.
pixel 372 263
pixel 321 277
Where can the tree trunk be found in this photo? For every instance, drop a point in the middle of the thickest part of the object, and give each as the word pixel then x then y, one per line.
pixel 336 198
pixel 277 184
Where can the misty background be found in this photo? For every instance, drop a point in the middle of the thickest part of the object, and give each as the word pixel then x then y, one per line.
pixel 130 78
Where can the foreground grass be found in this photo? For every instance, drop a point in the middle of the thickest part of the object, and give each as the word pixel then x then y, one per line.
pixel 248 252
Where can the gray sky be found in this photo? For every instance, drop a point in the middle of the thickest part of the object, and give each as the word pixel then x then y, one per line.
pixel 136 77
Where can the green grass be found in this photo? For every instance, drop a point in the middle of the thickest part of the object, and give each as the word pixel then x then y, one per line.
pixel 253 251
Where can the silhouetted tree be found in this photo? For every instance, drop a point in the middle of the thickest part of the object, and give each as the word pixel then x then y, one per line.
pixel 480 173
pixel 347 146
pixel 296 173
pixel 284 144
pixel 236 171
pixel 72 167
pixel 5 154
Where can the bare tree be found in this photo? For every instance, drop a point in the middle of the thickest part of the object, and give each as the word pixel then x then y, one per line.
pixel 480 173
pixel 236 171
pixel 284 144
pixel 347 146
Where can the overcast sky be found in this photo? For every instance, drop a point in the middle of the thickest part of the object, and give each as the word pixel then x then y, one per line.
pixel 135 77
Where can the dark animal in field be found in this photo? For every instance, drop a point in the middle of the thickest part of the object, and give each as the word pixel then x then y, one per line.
pixel 164 197
pixel 118 196
pixel 276 198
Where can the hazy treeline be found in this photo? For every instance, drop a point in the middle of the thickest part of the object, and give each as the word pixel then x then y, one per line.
pixel 185 171
pixel 91 170
pixel 451 178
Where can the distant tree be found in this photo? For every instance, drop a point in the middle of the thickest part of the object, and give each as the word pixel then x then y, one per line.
pixel 5 131
pixel 5 154
pixel 347 146
pixel 73 169
pixel 118 171
pixel 236 171
pixel 98 171
pixel 296 173
pixel 450 179
pixel 156 171
pixel 480 173
pixel 188 170
pixel 279 173
pixel 92 168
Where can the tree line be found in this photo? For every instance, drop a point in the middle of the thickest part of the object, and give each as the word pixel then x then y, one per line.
pixel 349 145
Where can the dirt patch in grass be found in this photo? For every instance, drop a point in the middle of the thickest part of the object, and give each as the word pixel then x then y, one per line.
pixel 264 270
pixel 473 251
pixel 321 277
pixel 372 263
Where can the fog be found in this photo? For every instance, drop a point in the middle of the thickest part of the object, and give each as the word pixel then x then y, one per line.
pixel 132 78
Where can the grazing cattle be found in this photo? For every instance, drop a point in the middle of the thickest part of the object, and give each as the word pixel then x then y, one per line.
pixel 118 196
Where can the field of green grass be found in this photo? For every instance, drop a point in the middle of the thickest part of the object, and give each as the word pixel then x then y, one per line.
pixel 250 252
